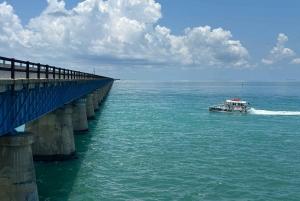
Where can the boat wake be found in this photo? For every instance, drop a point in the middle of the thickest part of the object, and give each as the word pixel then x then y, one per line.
pixel 268 112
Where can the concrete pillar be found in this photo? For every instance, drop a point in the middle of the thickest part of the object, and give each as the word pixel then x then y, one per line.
pixel 108 86
pixel 17 175
pixel 90 106
pixel 106 89
pixel 53 135
pixel 79 117
pixel 95 99
pixel 103 92
pixel 99 94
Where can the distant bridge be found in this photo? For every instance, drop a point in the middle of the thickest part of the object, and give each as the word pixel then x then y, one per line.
pixel 53 103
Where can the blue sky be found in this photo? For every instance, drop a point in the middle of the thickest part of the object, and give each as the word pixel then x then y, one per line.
pixel 157 40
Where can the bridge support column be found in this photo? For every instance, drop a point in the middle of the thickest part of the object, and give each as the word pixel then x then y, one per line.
pixel 99 94
pixel 53 136
pixel 17 175
pixel 79 117
pixel 89 106
pixel 106 89
pixel 95 99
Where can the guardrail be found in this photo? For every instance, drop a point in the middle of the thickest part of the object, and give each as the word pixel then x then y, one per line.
pixel 13 68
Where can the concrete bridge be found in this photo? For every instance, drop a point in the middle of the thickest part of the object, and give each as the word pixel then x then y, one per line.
pixel 53 103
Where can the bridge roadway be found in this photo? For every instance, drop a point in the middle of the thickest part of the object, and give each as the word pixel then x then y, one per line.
pixel 53 104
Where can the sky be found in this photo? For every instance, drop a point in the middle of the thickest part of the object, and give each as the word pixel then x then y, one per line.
pixel 157 40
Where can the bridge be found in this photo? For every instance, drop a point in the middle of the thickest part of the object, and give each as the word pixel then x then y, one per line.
pixel 51 104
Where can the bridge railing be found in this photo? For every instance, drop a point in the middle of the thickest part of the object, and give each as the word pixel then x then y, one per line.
pixel 13 68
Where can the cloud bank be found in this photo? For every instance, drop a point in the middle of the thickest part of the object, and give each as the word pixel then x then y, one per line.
pixel 118 34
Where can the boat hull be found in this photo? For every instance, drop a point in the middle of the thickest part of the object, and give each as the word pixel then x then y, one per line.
pixel 219 109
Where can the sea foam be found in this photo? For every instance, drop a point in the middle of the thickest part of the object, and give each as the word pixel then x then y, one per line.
pixel 268 112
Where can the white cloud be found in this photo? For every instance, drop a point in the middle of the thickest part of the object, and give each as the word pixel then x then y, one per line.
pixel 12 34
pixel 213 47
pixel 296 61
pixel 279 52
pixel 115 33
pixel 266 61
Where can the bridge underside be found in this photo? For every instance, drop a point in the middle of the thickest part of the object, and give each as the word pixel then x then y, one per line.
pixel 23 100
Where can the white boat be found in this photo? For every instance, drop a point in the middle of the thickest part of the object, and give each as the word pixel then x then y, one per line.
pixel 233 105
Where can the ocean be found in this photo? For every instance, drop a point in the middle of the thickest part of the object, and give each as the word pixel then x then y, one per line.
pixel 158 141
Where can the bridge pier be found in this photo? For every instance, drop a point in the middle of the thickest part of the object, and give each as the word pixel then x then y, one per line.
pixel 100 95
pixel 79 117
pixel 95 100
pixel 90 106
pixel 106 89
pixel 17 175
pixel 53 134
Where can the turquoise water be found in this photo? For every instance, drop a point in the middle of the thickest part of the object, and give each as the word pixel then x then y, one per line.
pixel 157 141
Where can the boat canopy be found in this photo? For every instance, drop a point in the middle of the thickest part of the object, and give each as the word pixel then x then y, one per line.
pixel 236 100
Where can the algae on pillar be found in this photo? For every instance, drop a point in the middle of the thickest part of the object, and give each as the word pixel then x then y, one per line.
pixel 17 175
pixel 53 135
pixel 79 117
